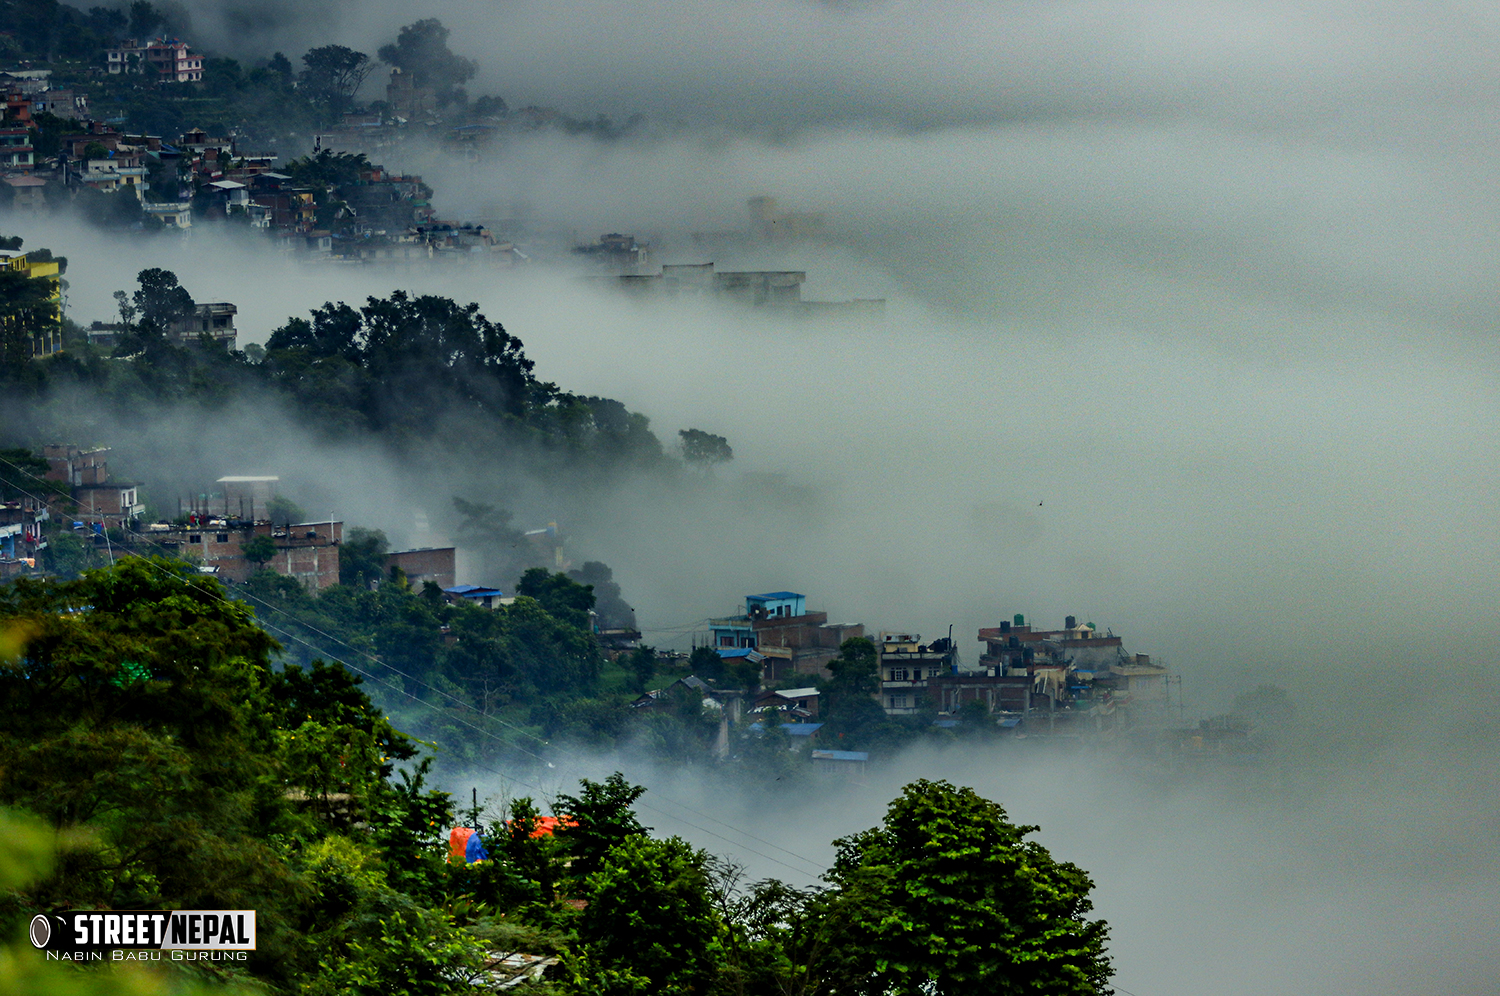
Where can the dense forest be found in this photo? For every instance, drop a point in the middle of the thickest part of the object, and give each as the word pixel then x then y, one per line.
pixel 152 756
pixel 404 371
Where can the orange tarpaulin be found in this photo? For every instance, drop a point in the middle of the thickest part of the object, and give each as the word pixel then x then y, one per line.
pixel 458 843
pixel 546 825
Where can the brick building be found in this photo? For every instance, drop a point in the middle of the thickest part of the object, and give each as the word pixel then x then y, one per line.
pixel 96 496
pixel 778 625
pixel 307 551
pixel 435 564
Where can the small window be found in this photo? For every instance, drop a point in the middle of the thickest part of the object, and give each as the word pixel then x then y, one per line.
pixel 195 537
pixel 221 537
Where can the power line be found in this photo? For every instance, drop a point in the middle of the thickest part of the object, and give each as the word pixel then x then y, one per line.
pixel 486 733
pixel 458 719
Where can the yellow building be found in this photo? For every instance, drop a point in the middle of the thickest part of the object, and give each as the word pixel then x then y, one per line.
pixel 45 326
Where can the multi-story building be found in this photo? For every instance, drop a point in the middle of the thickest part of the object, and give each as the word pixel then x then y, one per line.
pixel 16 152
pixel 214 319
pixel 96 497
pixel 126 57
pixel 171 214
pixel 1057 679
pixel 779 625
pixel 307 551
pixel 21 536
pixel 1077 645
pixel 906 666
pixel 407 99
pixel 435 564
pixel 171 59
pixel 70 104
pixel 174 62
pixel 43 325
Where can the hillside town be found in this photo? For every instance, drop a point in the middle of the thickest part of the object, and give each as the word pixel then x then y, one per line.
pixel 1024 681
pixel 332 205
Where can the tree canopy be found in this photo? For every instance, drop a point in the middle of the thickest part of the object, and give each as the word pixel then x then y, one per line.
pixel 421 49
pixel 947 896
pixel 334 75
pixel 704 449
pixel 145 721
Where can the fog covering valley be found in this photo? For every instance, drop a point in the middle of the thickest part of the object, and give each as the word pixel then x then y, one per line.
pixel 1190 332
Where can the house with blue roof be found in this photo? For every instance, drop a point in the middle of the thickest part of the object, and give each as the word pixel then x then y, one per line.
pixel 778 624
pixel 474 594
pixel 775 605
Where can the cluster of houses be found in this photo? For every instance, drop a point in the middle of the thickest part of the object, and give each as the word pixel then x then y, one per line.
pixel 1027 680
pixel 376 217
pixel 219 531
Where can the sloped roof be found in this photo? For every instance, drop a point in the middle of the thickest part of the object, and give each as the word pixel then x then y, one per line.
pixel 472 590
pixel 840 755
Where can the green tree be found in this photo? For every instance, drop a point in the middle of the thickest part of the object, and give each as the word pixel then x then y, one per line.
pixel 486 530
pixel 144 19
pixel 1268 706
pixel 599 818
pixel 947 896
pixel 854 669
pixel 29 855
pixel 28 307
pixel 421 49
pixel 23 473
pixel 141 720
pixel 704 449
pixel 362 556
pixel 161 300
pixel 706 663
pixel 560 595
pixel 614 611
pixel 642 666
pixel 333 76
pixel 650 924
pixel 852 709
pixel 68 555
pixel 285 511
pixel 259 550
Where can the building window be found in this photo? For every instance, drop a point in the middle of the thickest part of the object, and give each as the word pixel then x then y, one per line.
pixel 195 538
pixel 221 537
pixel 898 674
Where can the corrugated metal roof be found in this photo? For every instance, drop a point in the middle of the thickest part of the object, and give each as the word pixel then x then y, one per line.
pixel 472 590
pixel 840 755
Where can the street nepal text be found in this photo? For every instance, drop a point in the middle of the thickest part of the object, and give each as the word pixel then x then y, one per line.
pixel 116 934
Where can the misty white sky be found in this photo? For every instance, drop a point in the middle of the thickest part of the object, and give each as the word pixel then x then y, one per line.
pixel 1191 333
